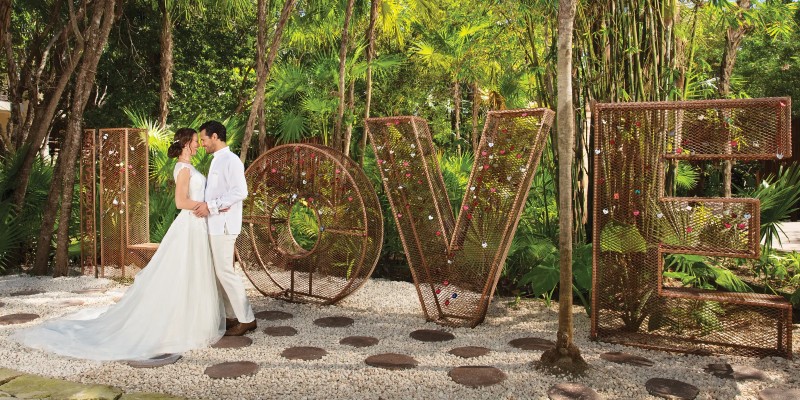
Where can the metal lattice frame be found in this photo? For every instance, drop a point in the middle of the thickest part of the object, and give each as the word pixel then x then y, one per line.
pixel 345 211
pixel 636 225
pixel 456 263
pixel 123 195
pixel 88 203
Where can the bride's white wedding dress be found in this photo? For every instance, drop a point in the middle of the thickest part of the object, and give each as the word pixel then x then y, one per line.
pixel 173 305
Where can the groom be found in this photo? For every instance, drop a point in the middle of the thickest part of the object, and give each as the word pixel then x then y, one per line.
pixel 226 187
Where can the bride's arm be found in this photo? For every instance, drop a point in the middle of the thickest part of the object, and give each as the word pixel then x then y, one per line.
pixel 182 200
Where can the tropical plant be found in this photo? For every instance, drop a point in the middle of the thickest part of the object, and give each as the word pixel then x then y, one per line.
pixel 779 196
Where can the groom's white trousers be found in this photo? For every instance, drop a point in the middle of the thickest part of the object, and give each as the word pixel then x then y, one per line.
pixel 230 284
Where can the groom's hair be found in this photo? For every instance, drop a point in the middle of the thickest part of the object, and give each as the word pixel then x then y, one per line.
pixel 212 127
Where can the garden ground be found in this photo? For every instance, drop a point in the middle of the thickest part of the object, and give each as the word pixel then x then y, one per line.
pixel 388 311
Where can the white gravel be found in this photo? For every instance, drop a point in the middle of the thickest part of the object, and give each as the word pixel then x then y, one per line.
pixel 386 310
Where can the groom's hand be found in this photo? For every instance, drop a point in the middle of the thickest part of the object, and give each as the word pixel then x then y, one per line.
pixel 201 210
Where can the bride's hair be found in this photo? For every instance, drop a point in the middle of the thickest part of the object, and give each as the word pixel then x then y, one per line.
pixel 182 138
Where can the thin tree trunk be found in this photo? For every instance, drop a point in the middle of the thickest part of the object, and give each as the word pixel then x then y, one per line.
pixel 14 89
pixel 338 140
pixel 457 113
pixel 566 354
pixel 476 107
pixel 44 119
pixel 263 145
pixel 373 18
pixel 351 103
pixel 61 189
pixel 262 77
pixel 166 63
pixel 733 39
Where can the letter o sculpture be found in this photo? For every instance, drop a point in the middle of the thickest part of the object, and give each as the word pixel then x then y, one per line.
pixel 312 225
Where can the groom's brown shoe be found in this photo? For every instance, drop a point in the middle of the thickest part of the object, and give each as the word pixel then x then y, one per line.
pixel 230 323
pixel 241 329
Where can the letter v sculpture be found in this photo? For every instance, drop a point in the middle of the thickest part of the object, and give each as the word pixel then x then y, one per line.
pixel 456 263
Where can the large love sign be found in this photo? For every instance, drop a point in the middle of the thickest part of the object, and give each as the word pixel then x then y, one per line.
pixel 456 263
pixel 636 226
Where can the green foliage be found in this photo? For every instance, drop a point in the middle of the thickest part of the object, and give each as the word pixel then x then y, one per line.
pixel 544 277
pixel 695 271
pixel 779 196
pixel 19 229
pixel 621 238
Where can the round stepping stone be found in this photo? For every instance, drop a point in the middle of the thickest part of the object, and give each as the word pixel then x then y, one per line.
pixel 477 376
pixel 304 353
pixel 671 389
pixel 333 322
pixel 469 351
pixel 532 343
pixel 70 303
pixel 13 319
pixel 736 372
pixel 430 335
pixel 155 362
pixel 233 342
pixel 273 315
pixel 626 358
pixel 233 369
pixel 89 291
pixel 779 394
pixel 572 391
pixel 359 341
pixel 280 331
pixel 30 292
pixel 391 361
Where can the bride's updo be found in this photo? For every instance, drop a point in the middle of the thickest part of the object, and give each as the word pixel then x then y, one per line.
pixel 182 138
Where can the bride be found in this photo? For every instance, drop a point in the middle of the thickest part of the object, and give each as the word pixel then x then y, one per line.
pixel 173 305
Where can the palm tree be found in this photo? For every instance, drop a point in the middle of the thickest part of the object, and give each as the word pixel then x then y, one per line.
pixel 565 355
pixel 452 48
pixel 373 19
pixel 338 137
pixel 168 10
pixel 264 66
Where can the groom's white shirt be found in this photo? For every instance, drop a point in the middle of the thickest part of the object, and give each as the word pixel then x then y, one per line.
pixel 226 187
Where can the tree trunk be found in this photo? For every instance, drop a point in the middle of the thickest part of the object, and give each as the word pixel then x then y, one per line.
pixel 338 140
pixel 373 18
pixel 61 189
pixel 14 89
pixel 733 39
pixel 263 145
pixel 476 108
pixel 44 119
pixel 566 355
pixel 166 63
pixel 457 114
pixel 264 73
pixel 351 103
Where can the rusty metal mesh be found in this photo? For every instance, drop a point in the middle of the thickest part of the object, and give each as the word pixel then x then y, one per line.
pixel 456 264
pixel 88 203
pixel 123 198
pixel 636 225
pixel 316 195
pixel 140 250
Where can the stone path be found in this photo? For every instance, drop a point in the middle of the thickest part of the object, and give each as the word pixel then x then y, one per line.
pixel 306 351
pixel 19 385
pixel 790 241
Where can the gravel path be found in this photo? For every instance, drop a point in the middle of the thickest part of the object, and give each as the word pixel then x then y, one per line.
pixel 389 311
